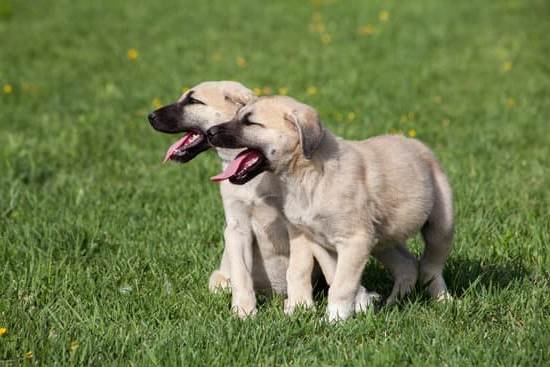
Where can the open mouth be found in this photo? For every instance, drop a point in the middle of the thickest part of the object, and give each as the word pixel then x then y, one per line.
pixel 247 165
pixel 192 143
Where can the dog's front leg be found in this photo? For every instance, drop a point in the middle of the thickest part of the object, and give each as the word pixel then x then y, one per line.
pixel 298 276
pixel 327 261
pixel 238 243
pixel 352 258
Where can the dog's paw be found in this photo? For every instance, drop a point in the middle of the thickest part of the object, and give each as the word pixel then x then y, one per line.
pixel 401 288
pixel 339 312
pixel 290 306
pixel 218 282
pixel 243 313
pixel 244 304
pixel 365 300
pixel 444 297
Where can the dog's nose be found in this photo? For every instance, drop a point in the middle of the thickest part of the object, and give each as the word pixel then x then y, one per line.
pixel 213 131
pixel 152 117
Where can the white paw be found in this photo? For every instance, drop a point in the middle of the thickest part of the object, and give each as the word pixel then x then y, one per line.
pixel 244 304
pixel 291 306
pixel 444 296
pixel 244 312
pixel 339 312
pixel 364 300
pixel 218 282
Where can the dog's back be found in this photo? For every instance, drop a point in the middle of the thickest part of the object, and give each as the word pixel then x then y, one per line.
pixel 399 183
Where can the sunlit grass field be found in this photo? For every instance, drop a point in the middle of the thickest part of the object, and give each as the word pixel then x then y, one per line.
pixel 105 253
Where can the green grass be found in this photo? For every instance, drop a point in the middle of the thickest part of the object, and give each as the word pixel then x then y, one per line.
pixel 103 246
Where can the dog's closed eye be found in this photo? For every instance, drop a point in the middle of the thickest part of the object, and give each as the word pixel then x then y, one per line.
pixel 190 100
pixel 235 100
pixel 246 121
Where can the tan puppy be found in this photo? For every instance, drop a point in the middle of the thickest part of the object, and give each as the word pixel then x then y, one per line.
pixel 354 197
pixel 256 252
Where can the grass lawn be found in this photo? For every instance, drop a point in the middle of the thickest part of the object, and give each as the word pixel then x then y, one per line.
pixel 106 253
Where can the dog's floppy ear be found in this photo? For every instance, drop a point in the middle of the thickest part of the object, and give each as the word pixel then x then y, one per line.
pixel 238 94
pixel 311 132
pixel 184 95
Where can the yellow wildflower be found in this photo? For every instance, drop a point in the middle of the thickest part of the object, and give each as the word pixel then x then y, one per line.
pixel 311 90
pixel 241 62
pixel 316 3
pixel 7 88
pixel 325 38
pixel 74 345
pixel 132 54
pixel 217 56
pixel 367 30
pixel 257 91
pixel 412 133
pixel 3 331
pixel 317 16
pixel 384 16
pixel 511 103
pixel 283 91
pixel 506 66
pixel 28 355
pixel 317 27
pixel 156 103
pixel 267 90
pixel 351 116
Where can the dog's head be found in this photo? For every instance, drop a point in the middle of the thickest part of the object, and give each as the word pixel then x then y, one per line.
pixel 276 130
pixel 198 109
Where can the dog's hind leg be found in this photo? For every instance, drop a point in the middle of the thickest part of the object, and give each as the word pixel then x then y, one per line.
pixel 403 266
pixel 438 238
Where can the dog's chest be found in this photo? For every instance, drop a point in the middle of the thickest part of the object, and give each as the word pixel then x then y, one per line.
pixel 310 221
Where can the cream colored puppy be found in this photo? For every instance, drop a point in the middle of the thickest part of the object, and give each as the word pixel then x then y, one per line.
pixel 256 253
pixel 354 197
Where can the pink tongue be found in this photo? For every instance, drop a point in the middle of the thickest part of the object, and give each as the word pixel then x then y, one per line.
pixel 233 167
pixel 181 142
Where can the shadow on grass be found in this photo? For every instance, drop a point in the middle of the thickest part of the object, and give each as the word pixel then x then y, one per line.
pixel 461 274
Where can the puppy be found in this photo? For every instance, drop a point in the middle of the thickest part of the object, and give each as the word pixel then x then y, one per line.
pixel 354 197
pixel 256 252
